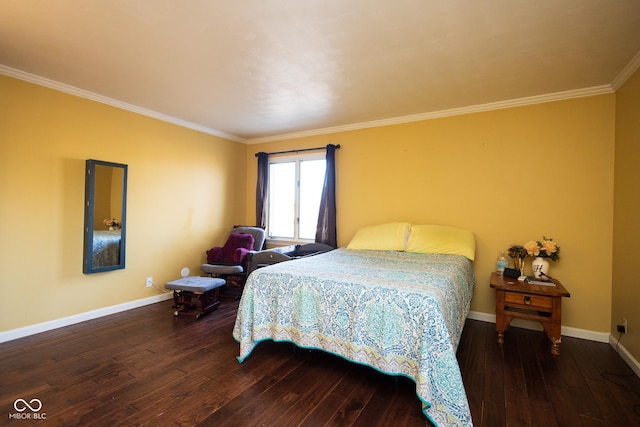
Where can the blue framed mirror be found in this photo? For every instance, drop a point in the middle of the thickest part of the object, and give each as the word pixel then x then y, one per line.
pixel 105 211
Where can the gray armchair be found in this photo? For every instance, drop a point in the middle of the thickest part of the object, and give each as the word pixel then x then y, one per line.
pixel 230 262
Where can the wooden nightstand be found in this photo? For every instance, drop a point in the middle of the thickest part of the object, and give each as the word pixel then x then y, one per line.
pixel 523 300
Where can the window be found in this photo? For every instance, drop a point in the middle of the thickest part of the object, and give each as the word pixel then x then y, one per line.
pixel 295 189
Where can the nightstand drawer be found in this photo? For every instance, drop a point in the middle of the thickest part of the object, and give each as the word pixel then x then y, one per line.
pixel 528 300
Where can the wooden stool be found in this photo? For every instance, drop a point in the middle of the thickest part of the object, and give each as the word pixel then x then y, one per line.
pixel 195 296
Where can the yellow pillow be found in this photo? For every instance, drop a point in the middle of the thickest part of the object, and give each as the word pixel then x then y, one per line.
pixel 384 237
pixel 441 239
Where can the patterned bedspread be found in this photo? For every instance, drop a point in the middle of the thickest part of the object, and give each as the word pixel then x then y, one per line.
pixel 401 313
pixel 106 248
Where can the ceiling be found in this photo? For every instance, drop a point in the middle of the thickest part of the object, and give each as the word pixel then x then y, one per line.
pixel 258 70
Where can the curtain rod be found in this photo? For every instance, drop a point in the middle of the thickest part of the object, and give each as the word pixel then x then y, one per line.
pixel 299 151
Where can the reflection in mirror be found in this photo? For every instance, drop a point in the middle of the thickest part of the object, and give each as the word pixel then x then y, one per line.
pixel 105 216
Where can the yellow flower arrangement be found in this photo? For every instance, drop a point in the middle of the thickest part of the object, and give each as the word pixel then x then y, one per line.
pixel 545 248
pixel 111 223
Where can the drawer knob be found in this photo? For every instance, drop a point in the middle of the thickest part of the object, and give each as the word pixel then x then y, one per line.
pixel 527 300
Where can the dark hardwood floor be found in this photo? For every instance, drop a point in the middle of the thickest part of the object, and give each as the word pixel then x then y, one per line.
pixel 144 367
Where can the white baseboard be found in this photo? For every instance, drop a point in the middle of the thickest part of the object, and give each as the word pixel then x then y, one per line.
pixel 569 332
pixel 533 325
pixel 474 315
pixel 626 356
pixel 77 318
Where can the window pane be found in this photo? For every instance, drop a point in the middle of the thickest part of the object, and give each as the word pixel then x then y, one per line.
pixel 311 183
pixel 282 190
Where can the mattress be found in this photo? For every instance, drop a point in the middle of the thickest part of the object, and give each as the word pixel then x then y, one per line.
pixel 400 313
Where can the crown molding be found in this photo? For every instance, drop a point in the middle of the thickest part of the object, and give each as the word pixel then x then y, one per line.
pixel 519 102
pixel 538 99
pixel 62 87
pixel 626 72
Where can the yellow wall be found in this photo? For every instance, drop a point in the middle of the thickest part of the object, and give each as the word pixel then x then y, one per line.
pixel 185 191
pixel 626 251
pixel 509 175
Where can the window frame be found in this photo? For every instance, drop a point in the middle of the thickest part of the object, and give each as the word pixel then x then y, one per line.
pixel 287 158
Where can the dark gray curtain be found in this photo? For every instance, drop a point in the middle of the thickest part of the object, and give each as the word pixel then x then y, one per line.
pixel 326 231
pixel 261 189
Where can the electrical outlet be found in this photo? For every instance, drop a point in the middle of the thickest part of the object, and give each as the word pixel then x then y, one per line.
pixel 622 328
pixel 149 282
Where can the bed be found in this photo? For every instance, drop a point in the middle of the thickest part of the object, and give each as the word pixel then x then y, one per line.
pixel 106 248
pixel 398 311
